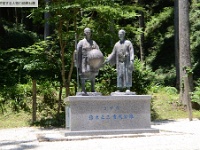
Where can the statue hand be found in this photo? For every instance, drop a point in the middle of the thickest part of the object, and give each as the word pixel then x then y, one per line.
pixel 105 62
pixel 131 65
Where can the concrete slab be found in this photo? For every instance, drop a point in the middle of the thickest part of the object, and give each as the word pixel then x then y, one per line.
pixel 111 132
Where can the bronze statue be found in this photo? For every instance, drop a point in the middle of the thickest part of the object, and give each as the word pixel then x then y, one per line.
pixel 89 60
pixel 123 56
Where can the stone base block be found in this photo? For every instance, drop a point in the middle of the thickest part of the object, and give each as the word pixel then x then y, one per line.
pixel 108 114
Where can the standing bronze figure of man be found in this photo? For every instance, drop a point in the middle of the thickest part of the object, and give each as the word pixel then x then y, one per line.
pixel 123 57
pixel 89 59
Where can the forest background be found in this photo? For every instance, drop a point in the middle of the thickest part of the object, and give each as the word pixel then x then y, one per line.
pixel 37 48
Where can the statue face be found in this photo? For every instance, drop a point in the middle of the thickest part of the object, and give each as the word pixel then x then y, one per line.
pixel 121 35
pixel 87 33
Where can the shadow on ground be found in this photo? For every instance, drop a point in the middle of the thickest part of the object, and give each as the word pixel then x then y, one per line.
pixel 17 145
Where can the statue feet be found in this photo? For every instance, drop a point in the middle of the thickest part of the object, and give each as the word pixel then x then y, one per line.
pixel 88 94
pixel 84 93
pixel 119 92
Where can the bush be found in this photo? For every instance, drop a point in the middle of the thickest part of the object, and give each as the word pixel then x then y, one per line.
pixel 57 120
pixel 16 97
pixel 196 93
pixel 166 77
pixel 107 80
pixel 143 77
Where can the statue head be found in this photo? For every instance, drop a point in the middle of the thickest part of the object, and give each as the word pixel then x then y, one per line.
pixel 121 34
pixel 87 33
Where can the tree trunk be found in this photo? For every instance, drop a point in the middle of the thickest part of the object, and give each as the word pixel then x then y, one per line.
pixel 63 69
pixel 184 53
pixel 22 16
pixel 62 55
pixel 59 99
pixel 70 75
pixel 34 101
pixel 141 25
pixel 176 40
pixel 188 98
pixel 46 26
pixel 16 15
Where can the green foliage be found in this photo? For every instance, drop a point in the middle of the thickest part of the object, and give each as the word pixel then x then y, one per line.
pixel 107 80
pixel 105 18
pixel 16 97
pixel 196 93
pixel 19 98
pixel 48 97
pixel 160 46
pixel 154 114
pixel 11 119
pixel 165 103
pixel 47 104
pixel 2 104
pixel 114 10
pixel 166 77
pixel 16 36
pixel 38 61
pixel 143 77
pixel 12 53
pixel 158 20
pixel 170 92
pixel 57 120
pixel 168 89
pixel 195 38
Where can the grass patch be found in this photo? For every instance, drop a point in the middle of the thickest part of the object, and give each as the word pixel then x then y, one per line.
pixel 165 103
pixel 196 114
pixel 13 120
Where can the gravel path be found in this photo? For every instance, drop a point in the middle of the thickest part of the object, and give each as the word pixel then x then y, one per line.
pixel 174 135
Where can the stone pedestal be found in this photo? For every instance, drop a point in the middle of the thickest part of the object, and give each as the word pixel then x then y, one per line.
pixel 96 115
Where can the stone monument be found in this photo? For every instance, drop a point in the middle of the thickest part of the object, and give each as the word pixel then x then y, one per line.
pixel 120 113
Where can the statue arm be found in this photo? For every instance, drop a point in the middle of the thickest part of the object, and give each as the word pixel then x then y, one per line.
pixel 112 57
pixel 131 51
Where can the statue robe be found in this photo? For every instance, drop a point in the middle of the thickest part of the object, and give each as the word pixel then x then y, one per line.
pixel 83 48
pixel 123 57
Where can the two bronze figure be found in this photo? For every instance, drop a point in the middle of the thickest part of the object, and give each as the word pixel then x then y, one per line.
pixel 89 59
